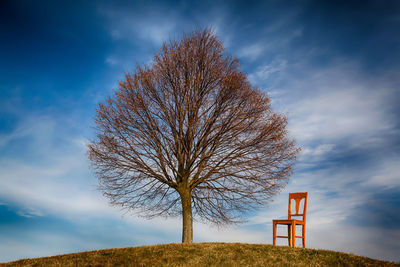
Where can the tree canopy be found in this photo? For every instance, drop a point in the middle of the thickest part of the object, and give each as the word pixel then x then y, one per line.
pixel 188 135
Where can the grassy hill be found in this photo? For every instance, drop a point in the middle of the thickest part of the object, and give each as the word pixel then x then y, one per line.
pixel 204 254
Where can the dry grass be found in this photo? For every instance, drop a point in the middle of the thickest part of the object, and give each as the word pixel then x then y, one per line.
pixel 205 254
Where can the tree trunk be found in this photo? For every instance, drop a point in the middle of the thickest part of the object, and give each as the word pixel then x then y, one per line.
pixel 187 222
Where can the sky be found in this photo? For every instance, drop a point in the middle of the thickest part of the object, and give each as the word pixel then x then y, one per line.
pixel 333 67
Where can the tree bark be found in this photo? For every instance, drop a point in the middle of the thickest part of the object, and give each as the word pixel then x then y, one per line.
pixel 187 225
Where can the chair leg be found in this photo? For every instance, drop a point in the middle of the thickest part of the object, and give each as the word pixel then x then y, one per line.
pixel 274 233
pixel 293 234
pixel 304 236
pixel 289 234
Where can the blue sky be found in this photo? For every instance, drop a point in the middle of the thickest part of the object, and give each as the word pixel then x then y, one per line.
pixel 332 66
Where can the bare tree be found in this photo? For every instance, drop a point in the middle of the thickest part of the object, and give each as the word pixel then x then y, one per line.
pixel 189 136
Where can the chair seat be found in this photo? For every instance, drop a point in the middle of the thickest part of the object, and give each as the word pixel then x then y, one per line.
pixel 288 222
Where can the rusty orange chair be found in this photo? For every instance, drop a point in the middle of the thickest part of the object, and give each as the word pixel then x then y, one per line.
pixel 291 223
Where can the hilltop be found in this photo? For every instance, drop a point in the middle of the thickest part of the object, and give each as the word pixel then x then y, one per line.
pixel 205 254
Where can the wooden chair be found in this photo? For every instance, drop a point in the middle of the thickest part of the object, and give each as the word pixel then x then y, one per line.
pixel 291 223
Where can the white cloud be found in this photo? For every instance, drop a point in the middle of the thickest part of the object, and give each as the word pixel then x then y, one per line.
pixel 154 26
pixel 365 241
pixel 318 151
pixel 157 33
pixel 60 189
pixel 264 73
pixel 51 174
pixel 251 52
pixel 331 104
pixel 38 127
pixel 206 233
pixel 340 112
pixel 30 213
pixel 112 61
pixel 386 174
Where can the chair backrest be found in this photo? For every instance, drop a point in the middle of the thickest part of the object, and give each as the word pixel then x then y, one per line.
pixel 298 197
